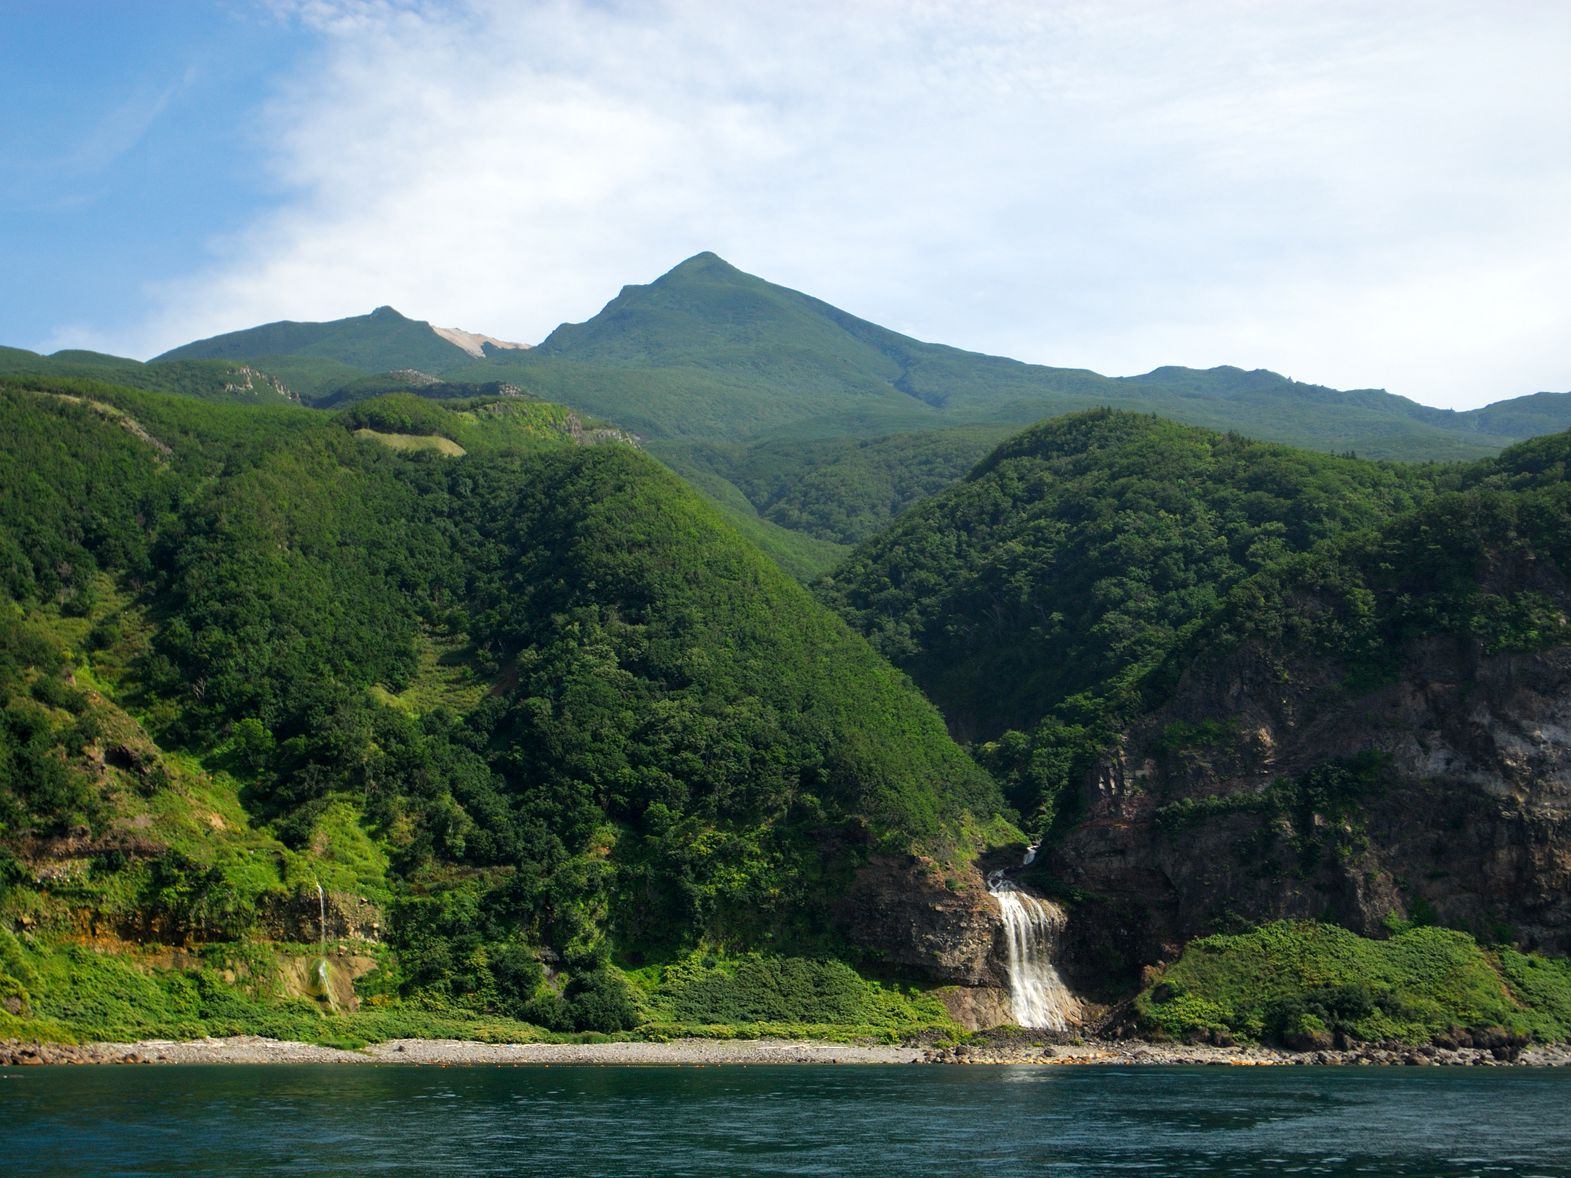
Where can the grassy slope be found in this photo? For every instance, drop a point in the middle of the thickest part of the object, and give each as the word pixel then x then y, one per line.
pixel 378 342
pixel 1301 983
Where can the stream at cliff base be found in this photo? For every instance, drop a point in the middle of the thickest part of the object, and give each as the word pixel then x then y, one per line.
pixel 807 1119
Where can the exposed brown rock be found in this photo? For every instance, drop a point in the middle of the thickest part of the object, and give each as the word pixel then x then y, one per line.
pixel 1470 821
pixel 901 911
pixel 977 1008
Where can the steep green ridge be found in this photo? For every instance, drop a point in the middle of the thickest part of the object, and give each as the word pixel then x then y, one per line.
pixel 526 715
pixel 209 380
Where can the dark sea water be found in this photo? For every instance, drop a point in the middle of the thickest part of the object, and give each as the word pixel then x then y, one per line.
pixel 783 1120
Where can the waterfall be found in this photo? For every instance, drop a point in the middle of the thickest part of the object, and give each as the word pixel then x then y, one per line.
pixel 321 928
pixel 321 919
pixel 1037 995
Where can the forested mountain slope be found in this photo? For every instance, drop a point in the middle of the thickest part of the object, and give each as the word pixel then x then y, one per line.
pixel 1235 683
pixel 516 702
pixel 1074 557
pixel 1374 732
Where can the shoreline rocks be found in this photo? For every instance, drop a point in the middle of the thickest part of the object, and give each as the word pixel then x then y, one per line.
pixel 251 1049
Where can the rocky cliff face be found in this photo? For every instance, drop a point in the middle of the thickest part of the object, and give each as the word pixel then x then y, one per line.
pixel 1266 789
pixel 905 913
pixel 902 913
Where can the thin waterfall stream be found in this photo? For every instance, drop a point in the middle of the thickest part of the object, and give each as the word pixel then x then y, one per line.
pixel 321 961
pixel 1037 995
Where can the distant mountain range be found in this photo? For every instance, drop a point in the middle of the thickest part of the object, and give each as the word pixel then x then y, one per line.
pixel 809 427
pixel 707 352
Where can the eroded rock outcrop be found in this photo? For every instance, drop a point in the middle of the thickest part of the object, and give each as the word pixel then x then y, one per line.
pixel 1267 789
pixel 906 913
pixel 901 911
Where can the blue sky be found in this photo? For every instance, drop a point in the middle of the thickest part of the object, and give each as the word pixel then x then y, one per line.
pixel 1355 194
pixel 131 141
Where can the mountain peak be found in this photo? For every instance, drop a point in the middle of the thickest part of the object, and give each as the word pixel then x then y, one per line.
pixel 706 263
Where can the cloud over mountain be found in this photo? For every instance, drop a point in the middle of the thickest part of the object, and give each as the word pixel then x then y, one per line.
pixel 1355 199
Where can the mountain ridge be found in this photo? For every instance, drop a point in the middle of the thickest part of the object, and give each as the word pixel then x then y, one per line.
pixel 783 360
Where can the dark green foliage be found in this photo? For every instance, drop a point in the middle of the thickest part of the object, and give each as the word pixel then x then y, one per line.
pixel 838 489
pixel 1040 593
pixel 253 747
pixel 42 731
pixel 601 1001
pixel 400 413
pixel 771 989
pixel 195 901
pixel 1063 588
pixel 549 1010
pixel 1080 552
pixel 1483 563
pixel 516 975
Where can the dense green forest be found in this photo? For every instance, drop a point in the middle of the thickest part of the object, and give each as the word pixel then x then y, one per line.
pixel 840 490
pixel 1038 595
pixel 526 695
pixel 1063 584
pixel 1232 682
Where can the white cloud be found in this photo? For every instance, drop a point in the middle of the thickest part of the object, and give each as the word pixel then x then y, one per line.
pixel 1354 194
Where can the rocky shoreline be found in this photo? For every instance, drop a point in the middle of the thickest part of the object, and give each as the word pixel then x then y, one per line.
pixel 250 1049
pixel 1136 1053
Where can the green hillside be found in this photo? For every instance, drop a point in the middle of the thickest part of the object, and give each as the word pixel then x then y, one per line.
pixel 753 391
pixel 840 490
pixel 1071 560
pixel 535 719
pixel 1234 684
pixel 208 380
pixel 378 342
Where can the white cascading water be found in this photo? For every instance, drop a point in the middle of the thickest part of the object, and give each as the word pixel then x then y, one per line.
pixel 321 930
pixel 1037 995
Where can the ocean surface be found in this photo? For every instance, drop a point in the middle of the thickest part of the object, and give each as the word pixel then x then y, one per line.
pixel 783 1120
